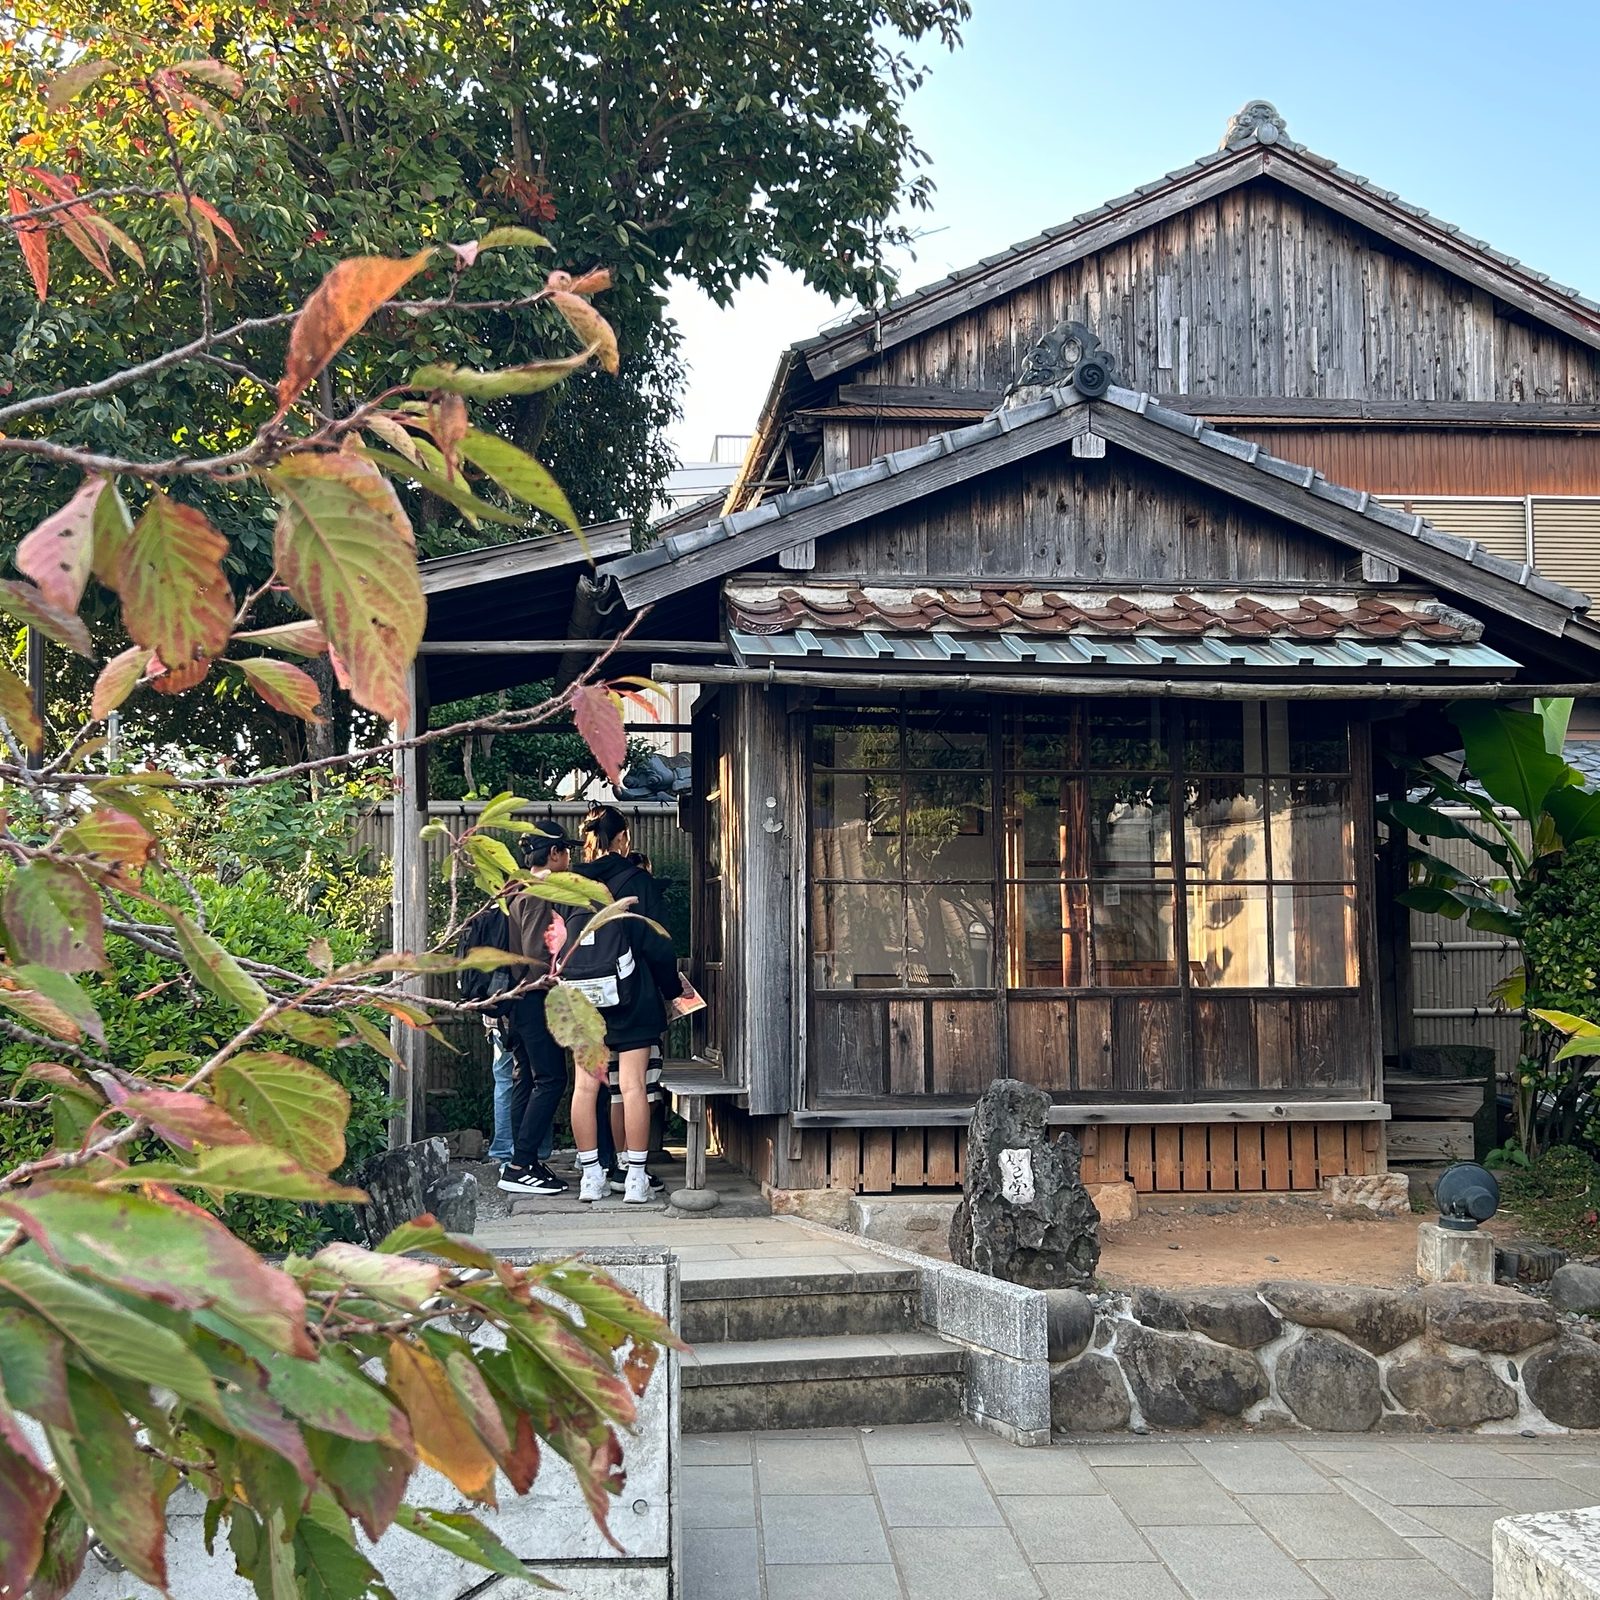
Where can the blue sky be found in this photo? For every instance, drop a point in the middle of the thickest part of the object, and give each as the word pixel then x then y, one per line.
pixel 1486 115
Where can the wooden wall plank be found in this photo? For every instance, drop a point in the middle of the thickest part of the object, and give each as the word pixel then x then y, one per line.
pixel 1251 1156
pixel 1168 1158
pixel 877 1160
pixel 849 1047
pixel 1302 1156
pixel 908 1047
pixel 1039 1037
pixel 942 1165
pixel 910 1158
pixel 844 1159
pixel 1092 1040
pixel 1275 1138
pixel 963 1045
pixel 1194 1157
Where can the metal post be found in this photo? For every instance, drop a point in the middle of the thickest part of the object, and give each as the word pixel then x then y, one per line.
pixel 408 1074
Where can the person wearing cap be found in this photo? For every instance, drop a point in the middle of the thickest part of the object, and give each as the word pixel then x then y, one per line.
pixel 541 1076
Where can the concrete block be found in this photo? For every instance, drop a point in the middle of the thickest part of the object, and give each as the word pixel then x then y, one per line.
pixel 1550 1555
pixel 1116 1202
pixel 993 1314
pixel 1386 1194
pixel 1454 1255
pixel 831 1207
pixel 1008 1396
pixel 907 1222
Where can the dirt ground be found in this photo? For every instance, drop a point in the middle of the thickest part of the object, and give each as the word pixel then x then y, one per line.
pixel 1173 1245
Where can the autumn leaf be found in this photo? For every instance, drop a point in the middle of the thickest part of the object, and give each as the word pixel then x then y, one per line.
pixel 598 714
pixel 23 603
pixel 286 1103
pixel 293 638
pixel 31 240
pixel 167 569
pixel 16 708
pixel 213 72
pixel 503 238
pixel 54 917
pixel 117 681
pixel 591 328
pixel 448 415
pixel 285 688
pixel 345 550
pixel 445 1438
pixel 339 307
pixel 58 553
pixel 108 834
pixel 575 1023
pixel 65 86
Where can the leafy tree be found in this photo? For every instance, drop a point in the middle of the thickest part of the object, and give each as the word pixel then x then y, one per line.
pixel 153 1347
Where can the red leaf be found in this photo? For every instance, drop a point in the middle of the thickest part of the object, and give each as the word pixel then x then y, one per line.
pixel 57 554
pixel 117 680
pixel 284 687
pixel 27 1492
pixel 447 414
pixel 24 603
pixel 339 307
pixel 294 638
pixel 181 1118
pixel 76 221
pixel 598 714
pixel 111 835
pixel 30 237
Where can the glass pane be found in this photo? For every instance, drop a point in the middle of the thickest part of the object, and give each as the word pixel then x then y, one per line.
pixel 1318 742
pixel 1225 832
pixel 947 833
pixel 1312 833
pixel 868 739
pixel 950 935
pixel 1124 734
pixel 1046 741
pixel 1037 844
pixel 1222 738
pixel 1130 822
pixel 1314 935
pixel 1132 933
pixel 1228 941
pixel 857 936
pixel 855 825
pixel 944 741
pixel 1049 931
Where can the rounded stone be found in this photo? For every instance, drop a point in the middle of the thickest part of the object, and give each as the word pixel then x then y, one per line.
pixel 1069 1321
pixel 1482 1318
pixel 695 1199
pixel 1451 1391
pixel 1575 1287
pixel 1563 1381
pixel 1330 1385
pixel 1230 1316
pixel 1182 1382
pixel 1378 1320
pixel 1088 1396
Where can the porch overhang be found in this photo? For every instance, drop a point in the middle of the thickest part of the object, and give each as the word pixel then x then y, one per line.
pixel 914 1112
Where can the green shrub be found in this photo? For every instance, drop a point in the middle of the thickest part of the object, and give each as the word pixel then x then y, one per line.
pixel 159 1024
pixel 1561 940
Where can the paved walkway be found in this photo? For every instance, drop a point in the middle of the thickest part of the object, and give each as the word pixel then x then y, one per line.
pixel 953 1513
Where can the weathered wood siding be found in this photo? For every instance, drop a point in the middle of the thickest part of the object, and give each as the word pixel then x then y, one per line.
pixel 1076 519
pixel 1262 292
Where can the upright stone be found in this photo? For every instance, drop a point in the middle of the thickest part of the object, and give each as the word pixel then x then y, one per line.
pixel 405 1183
pixel 1024 1215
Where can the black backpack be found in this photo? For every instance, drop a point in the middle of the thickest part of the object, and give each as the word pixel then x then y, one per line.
pixel 601 965
pixel 487 929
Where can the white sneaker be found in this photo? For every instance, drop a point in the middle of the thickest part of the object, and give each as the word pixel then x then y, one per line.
pixel 637 1191
pixel 592 1183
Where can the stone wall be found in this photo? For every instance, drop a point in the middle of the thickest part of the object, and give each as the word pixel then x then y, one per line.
pixel 1331 1358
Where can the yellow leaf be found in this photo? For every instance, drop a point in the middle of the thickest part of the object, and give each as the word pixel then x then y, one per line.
pixel 441 1430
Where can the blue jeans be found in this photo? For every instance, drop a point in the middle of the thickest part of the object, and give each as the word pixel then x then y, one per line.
pixel 500 1147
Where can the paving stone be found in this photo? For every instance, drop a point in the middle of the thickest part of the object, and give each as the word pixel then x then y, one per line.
pixel 717 1497
pixel 1383 1580
pixel 1324 1527
pixel 962 1564
pixel 1531 1494
pixel 935 1497
pixel 1469 1526
pixel 1471 1572
pixel 720 1564
pixel 818 1529
pixel 1392 1517
pixel 1474 1458
pixel 1055 1469
pixel 1231 1564
pixel 831 1583
pixel 1134 1452
pixel 1087 1527
pixel 810 1466
pixel 939 1445
pixel 1155 1497
pixel 1097 1580
pixel 1249 1466
pixel 716 1449
pixel 1400 1480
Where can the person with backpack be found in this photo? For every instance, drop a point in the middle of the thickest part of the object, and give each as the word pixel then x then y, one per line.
pixel 541 1063
pixel 630 972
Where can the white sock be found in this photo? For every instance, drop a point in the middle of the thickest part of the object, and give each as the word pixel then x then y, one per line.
pixel 636 1158
pixel 588 1158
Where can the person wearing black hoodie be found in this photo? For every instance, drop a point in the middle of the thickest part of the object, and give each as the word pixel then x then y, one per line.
pixel 631 1034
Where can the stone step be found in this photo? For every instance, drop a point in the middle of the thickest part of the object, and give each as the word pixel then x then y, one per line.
pixel 840 1381
pixel 782 1304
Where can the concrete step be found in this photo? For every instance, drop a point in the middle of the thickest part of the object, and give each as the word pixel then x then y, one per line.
pixel 839 1381
pixel 784 1304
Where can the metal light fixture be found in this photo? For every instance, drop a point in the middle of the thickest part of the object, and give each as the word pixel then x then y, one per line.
pixel 1466 1194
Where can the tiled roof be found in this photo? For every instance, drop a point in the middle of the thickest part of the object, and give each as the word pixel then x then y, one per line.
pixel 1011 418
pixel 820 608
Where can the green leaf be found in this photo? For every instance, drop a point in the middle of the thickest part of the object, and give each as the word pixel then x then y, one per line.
pixel 243 1169
pixel 1433 902
pixel 215 969
pixel 575 1023
pixel 450 489
pixel 53 915
pixel 1576 814
pixel 111 1482
pixel 66 1543
pixel 27 1495
pixel 345 550
pixel 371 1035
pixel 467 1538
pixel 107 1333
pixel 567 889
pixel 50 1000
pixel 519 474
pixel 532 377
pixel 168 572
pixel 1555 715
pixel 33 1370
pixel 1426 822
pixel 178 1255
pixel 426 1233
pixel 395 1280
pixel 23 603
pixel 503 238
pixel 1506 753
pixel 367 1478
pixel 326 1394
pixel 330 1567
pixel 288 1104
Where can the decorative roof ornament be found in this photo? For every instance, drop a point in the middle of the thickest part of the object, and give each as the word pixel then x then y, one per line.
pixel 1068 354
pixel 1259 120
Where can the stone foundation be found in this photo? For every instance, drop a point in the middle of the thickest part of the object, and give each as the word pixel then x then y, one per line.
pixel 1330 1358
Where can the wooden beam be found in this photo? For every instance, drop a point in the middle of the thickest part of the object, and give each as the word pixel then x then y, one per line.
pixel 935 399
pixel 594 647
pixel 409 864
pixel 1281 411
pixel 915 1114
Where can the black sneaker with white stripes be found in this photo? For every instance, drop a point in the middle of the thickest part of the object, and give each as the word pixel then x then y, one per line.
pixel 537 1179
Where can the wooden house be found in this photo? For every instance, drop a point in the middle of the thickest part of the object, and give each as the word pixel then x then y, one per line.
pixel 1057 642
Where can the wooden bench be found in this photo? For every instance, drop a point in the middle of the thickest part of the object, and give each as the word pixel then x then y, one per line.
pixel 691 1083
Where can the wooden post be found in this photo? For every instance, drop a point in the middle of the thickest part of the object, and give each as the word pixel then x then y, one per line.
pixel 408 1076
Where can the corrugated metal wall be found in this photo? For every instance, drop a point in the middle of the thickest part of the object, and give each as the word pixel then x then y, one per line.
pixel 1500 525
